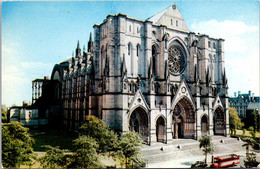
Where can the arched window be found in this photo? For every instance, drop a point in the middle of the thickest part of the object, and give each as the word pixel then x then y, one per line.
pixel 137 50
pixel 154 53
pixel 129 48
pixel 130 54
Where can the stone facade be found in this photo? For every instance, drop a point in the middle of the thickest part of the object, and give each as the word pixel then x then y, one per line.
pixel 28 116
pixel 244 102
pixel 154 77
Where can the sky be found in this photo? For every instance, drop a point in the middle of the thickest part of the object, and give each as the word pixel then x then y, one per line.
pixel 37 35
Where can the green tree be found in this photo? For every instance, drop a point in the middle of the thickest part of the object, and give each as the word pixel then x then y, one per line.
pixel 16 145
pixel 97 129
pixel 4 115
pixel 256 120
pixel 207 145
pixel 251 161
pixel 248 142
pixel 130 148
pixel 85 155
pixel 234 120
pixel 53 158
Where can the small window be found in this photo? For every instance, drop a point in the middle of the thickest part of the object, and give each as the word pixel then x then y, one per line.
pixel 209 44
pixel 137 50
pixel 129 48
pixel 130 28
pixel 171 22
pixel 176 22
pixel 137 29
pixel 214 45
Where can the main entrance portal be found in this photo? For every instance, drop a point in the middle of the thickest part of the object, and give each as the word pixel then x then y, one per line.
pixel 183 120
pixel 139 123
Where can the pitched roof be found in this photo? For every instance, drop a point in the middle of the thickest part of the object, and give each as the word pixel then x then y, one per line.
pixel 170 17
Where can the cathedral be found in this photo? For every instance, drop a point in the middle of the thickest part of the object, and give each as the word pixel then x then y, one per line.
pixel 154 77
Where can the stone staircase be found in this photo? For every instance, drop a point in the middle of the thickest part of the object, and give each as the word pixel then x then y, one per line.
pixel 188 148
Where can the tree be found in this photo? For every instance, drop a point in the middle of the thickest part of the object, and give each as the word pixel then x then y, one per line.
pixel 16 145
pixel 256 120
pixel 250 161
pixel 249 142
pixel 53 158
pixel 205 142
pixel 129 147
pixel 234 120
pixel 97 129
pixel 85 155
pixel 4 115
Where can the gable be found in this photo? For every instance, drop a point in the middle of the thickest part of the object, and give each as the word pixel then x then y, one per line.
pixel 217 103
pixel 138 100
pixel 170 17
pixel 183 91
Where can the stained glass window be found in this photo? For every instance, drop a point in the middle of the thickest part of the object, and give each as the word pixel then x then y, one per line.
pixel 176 60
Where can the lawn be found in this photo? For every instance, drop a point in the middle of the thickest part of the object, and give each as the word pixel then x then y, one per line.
pixel 52 138
pixel 240 132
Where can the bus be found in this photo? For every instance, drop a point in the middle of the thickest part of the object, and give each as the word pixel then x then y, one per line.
pixel 225 161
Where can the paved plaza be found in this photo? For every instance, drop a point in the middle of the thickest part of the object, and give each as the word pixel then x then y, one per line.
pixel 182 153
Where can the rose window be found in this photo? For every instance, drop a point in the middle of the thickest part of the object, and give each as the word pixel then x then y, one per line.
pixel 176 60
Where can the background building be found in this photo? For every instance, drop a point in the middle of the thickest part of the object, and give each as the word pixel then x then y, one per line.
pixel 244 102
pixel 154 77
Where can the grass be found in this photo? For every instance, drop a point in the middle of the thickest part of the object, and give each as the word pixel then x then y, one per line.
pixel 52 138
pixel 247 133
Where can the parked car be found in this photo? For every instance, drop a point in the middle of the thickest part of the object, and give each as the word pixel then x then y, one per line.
pixel 199 164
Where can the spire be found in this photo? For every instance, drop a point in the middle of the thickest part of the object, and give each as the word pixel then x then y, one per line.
pixel 124 70
pixel 78 50
pixel 90 37
pixel 90 44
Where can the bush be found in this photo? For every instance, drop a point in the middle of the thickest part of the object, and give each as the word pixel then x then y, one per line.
pixel 251 128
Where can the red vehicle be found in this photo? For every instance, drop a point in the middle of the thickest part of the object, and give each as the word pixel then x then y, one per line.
pixel 225 161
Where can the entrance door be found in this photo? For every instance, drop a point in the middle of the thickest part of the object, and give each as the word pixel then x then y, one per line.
pixel 160 129
pixel 180 133
pixel 204 125
pixel 139 123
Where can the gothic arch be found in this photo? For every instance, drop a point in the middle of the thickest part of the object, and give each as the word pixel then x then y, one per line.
pixel 160 128
pixel 179 42
pixel 138 121
pixel 188 100
pixel 131 55
pixel 219 121
pixel 204 120
pixel 156 58
pixel 183 118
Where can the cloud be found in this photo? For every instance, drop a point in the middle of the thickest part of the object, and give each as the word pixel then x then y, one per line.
pixel 17 76
pixel 241 51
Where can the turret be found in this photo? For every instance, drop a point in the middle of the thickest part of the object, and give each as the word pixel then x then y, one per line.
pixel 78 50
pixel 90 44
